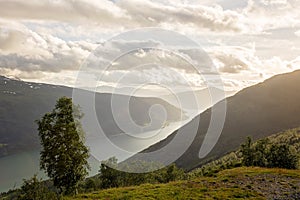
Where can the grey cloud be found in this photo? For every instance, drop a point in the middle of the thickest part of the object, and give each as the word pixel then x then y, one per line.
pixel 62 10
pixel 124 13
pixel 10 39
pixel 28 51
pixel 57 63
pixel 150 14
pixel 231 63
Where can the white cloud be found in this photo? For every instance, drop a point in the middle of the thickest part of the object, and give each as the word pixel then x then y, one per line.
pixel 272 14
pixel 274 2
pixel 41 39
pixel 81 11
pixel 257 17
pixel 124 13
pixel 151 13
pixel 28 51
pixel 241 67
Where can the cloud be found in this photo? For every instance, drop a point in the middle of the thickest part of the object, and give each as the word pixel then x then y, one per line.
pixel 241 67
pixel 231 63
pixel 42 57
pixel 162 76
pixel 257 17
pixel 151 13
pixel 297 33
pixel 22 74
pixel 124 13
pixel 272 14
pixel 233 59
pixel 28 51
pixel 128 54
pixel 274 2
pixel 80 11
pixel 10 40
pixel 48 39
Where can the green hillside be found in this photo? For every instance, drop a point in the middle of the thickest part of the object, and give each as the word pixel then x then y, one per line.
pixel 238 183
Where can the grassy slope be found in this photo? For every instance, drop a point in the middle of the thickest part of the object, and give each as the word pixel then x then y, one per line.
pixel 237 183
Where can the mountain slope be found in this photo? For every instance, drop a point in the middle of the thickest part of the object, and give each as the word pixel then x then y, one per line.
pixel 199 100
pixel 258 111
pixel 21 103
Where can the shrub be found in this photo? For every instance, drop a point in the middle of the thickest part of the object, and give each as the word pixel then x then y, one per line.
pixel 266 154
pixel 34 189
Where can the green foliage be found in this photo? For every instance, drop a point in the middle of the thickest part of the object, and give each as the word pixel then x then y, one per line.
pixel 255 154
pixel 34 189
pixel 92 184
pixel 2 145
pixel 266 154
pixel 282 156
pixel 64 155
pixel 210 169
pixel 168 174
pixel 260 153
pixel 111 177
pixel 246 154
pixel 108 175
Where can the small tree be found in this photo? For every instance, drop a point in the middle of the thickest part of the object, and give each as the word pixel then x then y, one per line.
pixel 247 152
pixel 168 174
pixel 64 155
pixel 260 153
pixel 34 189
pixel 108 175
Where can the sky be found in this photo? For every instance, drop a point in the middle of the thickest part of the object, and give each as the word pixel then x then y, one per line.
pixel 248 41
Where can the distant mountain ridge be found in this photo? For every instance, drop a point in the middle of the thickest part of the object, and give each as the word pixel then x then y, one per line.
pixel 258 111
pixel 21 103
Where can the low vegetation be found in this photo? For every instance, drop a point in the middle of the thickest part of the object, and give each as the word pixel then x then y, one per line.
pixel 110 175
pixel 266 154
pixel 2 145
pixel 237 183
pixel 288 140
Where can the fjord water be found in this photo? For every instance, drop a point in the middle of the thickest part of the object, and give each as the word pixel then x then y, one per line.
pixel 15 168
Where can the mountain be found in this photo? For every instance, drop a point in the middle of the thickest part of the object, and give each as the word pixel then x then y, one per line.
pixel 258 111
pixel 21 103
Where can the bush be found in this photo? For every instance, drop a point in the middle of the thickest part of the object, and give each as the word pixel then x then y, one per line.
pixel 265 154
pixel 34 189
pixel 111 177
pixel 282 156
